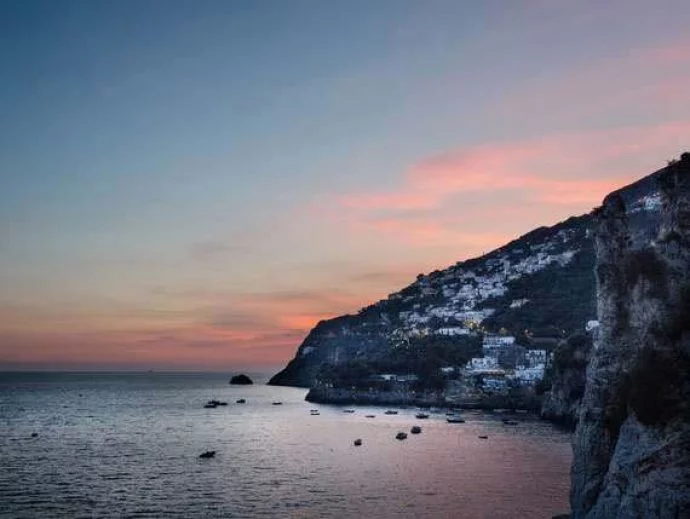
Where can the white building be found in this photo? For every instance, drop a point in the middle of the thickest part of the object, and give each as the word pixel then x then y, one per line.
pixel 591 325
pixel 529 375
pixel 482 363
pixel 497 341
pixel 454 330
pixel 535 357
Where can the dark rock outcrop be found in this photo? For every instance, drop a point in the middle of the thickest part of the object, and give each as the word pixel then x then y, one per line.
pixel 321 394
pixel 241 380
pixel 568 374
pixel 632 443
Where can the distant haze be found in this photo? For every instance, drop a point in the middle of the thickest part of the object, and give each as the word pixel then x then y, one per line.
pixel 193 185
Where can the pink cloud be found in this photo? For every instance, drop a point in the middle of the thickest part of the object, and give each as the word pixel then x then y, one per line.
pixel 537 181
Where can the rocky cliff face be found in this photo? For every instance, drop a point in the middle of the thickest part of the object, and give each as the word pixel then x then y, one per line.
pixel 632 443
pixel 568 375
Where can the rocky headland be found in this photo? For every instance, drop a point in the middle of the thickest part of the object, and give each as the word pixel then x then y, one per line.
pixel 510 329
pixel 632 443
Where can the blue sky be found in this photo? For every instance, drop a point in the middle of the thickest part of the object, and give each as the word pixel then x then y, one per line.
pixel 169 166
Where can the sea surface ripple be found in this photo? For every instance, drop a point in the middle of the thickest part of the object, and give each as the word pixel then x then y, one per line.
pixel 127 445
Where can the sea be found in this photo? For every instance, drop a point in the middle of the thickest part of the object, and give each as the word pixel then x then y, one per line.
pixel 91 445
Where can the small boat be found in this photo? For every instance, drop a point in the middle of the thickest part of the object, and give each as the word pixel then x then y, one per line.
pixel 241 401
pixel 390 412
pixel 416 429
pixel 370 416
pixel 510 422
pixel 482 437
pixel 314 412
pixel 358 442
pixel 210 405
pixel 421 416
pixel 455 419
pixel 207 454
pixel 277 403
pixel 348 411
pixel 401 436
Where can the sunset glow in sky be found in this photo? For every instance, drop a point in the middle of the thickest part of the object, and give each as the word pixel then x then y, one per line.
pixel 194 185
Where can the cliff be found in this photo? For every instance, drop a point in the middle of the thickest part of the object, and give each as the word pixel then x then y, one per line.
pixel 567 376
pixel 632 443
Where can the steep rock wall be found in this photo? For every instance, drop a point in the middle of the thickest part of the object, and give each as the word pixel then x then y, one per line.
pixel 632 443
pixel 568 376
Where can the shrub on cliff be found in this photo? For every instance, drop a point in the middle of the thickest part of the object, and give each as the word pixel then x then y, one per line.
pixel 659 385
pixel 645 264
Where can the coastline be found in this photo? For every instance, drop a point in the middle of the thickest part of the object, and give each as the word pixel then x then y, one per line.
pixel 340 396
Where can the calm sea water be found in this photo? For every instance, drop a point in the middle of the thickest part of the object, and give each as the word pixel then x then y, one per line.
pixel 127 445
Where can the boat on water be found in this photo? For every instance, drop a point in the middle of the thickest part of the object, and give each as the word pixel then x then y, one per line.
pixel 416 429
pixel 390 411
pixel 212 404
pixel 455 419
pixel 421 416
pixel 401 436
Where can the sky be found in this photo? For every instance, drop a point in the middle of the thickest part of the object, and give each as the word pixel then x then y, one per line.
pixel 194 185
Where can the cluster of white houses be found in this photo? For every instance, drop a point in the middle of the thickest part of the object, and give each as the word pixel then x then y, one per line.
pixel 528 367
pixel 462 291
pixel 493 372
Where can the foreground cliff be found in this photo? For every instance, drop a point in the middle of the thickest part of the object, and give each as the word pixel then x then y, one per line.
pixel 567 377
pixel 632 443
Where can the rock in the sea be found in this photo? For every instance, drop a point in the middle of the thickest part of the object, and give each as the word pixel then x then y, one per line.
pixel 207 454
pixel 632 443
pixel 241 380
pixel 416 429
pixel 358 442
pixel 401 436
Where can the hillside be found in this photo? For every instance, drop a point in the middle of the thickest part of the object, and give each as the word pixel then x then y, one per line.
pixel 538 288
